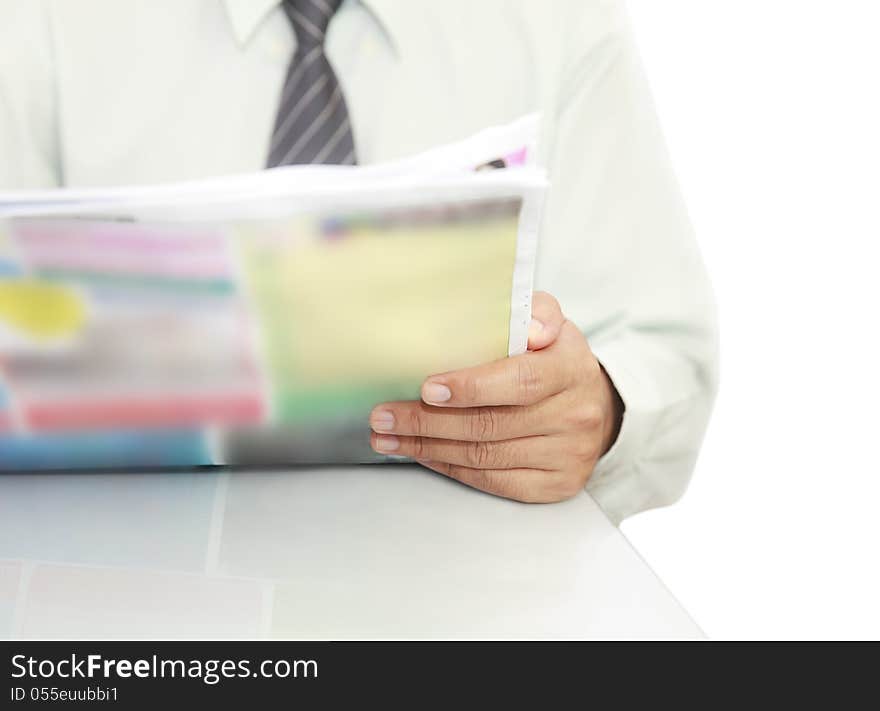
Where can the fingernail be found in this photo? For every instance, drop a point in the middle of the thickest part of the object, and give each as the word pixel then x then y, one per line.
pixel 382 421
pixel 536 328
pixel 387 443
pixel 435 392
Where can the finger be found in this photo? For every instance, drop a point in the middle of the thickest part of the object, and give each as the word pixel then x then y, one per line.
pixel 473 424
pixel 521 380
pixel 547 320
pixel 526 485
pixel 528 452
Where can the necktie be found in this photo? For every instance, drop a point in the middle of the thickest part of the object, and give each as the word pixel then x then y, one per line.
pixel 312 125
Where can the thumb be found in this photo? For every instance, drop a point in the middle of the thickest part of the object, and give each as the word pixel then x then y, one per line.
pixel 547 320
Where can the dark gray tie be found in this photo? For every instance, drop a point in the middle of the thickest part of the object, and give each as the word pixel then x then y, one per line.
pixel 312 125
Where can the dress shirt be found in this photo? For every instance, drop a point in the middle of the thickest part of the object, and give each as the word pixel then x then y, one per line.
pixel 109 92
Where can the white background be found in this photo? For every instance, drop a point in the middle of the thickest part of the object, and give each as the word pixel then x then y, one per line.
pixel 772 113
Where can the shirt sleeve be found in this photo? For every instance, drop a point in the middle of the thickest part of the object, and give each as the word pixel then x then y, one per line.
pixel 28 136
pixel 620 256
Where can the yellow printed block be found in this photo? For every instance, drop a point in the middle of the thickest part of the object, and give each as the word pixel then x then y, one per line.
pixel 40 310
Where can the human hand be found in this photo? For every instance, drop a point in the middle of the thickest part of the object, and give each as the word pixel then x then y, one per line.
pixel 530 427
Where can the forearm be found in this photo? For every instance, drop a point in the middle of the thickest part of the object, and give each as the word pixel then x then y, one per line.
pixel 619 253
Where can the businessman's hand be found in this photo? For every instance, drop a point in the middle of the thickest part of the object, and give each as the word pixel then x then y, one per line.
pixel 529 428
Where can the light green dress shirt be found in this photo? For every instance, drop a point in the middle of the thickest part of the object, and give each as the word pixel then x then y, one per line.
pixel 104 92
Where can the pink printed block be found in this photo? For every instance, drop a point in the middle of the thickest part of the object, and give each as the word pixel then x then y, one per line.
pixel 119 248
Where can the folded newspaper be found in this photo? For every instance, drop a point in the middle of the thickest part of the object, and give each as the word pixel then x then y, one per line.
pixel 256 320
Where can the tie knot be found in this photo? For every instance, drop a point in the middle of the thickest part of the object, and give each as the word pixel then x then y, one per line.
pixel 310 19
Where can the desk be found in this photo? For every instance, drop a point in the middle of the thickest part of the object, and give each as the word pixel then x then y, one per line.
pixel 382 552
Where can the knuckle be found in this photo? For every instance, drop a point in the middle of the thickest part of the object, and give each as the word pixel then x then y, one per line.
pixel 491 481
pixel 418 423
pixel 477 478
pixel 484 424
pixel 479 454
pixel 509 486
pixel 528 377
pixel 586 416
pixel 585 449
pixel 576 450
pixel 420 448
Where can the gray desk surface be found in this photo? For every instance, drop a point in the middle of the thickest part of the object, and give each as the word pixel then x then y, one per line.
pixel 342 553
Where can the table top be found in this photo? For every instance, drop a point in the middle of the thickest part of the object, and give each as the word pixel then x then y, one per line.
pixel 376 552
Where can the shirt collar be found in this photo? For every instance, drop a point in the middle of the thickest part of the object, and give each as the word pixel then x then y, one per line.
pixel 246 15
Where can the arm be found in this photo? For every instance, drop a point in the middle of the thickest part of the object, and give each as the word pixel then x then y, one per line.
pixel 638 329
pixel 637 337
pixel 621 258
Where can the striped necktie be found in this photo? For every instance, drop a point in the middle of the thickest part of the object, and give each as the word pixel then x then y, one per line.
pixel 312 125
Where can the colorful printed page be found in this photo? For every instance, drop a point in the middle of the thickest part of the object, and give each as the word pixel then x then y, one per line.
pixel 256 321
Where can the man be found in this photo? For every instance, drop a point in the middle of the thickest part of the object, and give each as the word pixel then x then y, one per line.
pixel 617 386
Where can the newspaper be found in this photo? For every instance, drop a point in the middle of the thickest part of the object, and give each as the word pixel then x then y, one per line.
pixel 256 319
